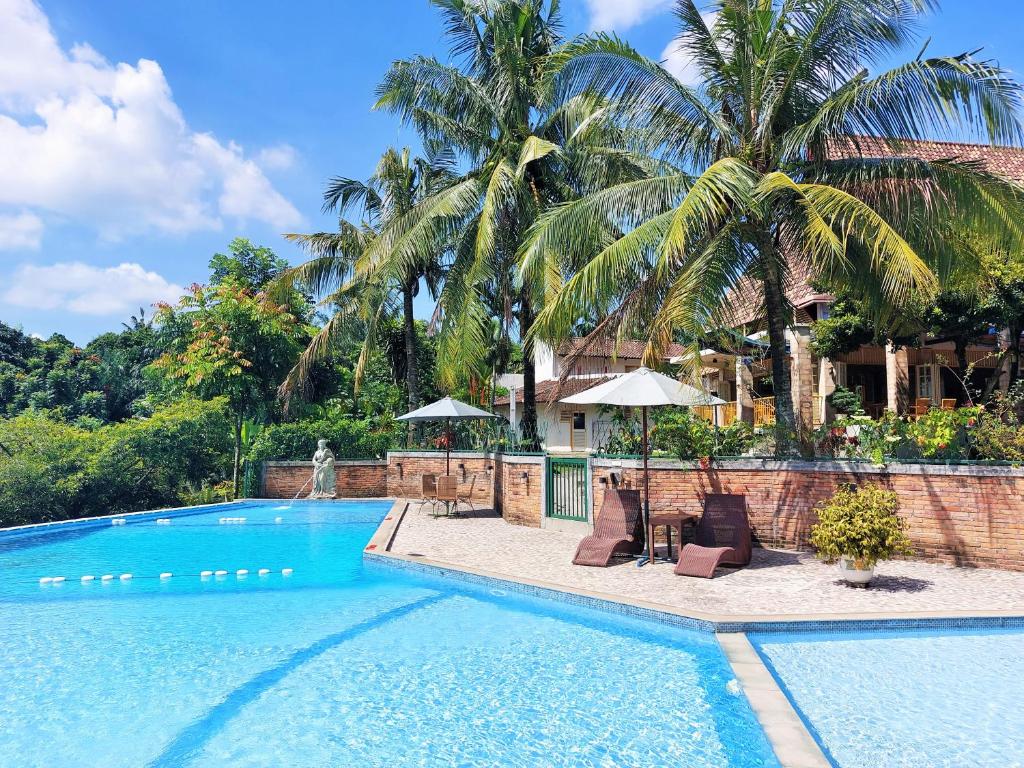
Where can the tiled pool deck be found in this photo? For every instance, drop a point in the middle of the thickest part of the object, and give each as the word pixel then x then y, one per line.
pixel 778 585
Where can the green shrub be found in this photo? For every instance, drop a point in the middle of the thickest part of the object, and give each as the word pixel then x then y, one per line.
pixel 57 471
pixel 998 433
pixel 347 437
pixel 862 524
pixel 845 401
pixel 685 435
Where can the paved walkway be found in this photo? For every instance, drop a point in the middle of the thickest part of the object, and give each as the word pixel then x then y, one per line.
pixel 777 582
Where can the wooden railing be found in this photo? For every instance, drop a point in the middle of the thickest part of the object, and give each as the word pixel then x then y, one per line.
pixel 764 411
pixel 720 415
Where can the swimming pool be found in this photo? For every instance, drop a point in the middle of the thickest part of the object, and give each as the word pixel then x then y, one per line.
pixel 334 664
pixel 949 699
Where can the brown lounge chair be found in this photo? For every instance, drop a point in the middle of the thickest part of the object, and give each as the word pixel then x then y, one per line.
pixel 722 537
pixel 618 530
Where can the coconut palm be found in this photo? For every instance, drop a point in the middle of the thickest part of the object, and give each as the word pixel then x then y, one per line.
pixel 399 182
pixel 521 155
pixel 788 155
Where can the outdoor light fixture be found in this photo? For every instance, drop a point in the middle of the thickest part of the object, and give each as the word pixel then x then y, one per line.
pixel 399 465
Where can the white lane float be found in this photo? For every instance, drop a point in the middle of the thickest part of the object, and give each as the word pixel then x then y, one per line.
pixel 58 579
pixel 241 572
pixel 87 579
pixel 166 575
pixel 118 521
pixel 286 571
pixel 46 580
pixel 205 574
pixel 107 577
pixel 220 573
pixel 126 577
pixel 263 571
pixel 278 519
pixel 163 521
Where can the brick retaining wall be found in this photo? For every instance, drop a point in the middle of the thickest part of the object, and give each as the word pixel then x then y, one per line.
pixel 353 479
pixel 406 468
pixel 956 514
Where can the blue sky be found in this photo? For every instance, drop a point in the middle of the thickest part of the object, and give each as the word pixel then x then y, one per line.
pixel 137 139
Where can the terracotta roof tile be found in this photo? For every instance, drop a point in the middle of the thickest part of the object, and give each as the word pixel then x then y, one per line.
pixel 625 350
pixel 550 392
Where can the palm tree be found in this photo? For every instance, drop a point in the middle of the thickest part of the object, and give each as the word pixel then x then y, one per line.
pixel 399 182
pixel 775 164
pixel 522 155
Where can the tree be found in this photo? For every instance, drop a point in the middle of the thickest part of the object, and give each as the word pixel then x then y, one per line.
pixel 398 184
pixel 229 341
pixel 523 154
pixel 247 265
pixel 789 155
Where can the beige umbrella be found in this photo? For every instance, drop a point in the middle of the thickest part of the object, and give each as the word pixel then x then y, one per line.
pixel 644 388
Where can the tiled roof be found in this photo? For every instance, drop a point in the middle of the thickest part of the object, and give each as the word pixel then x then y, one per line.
pixel 552 391
pixel 1007 162
pixel 745 303
pixel 624 350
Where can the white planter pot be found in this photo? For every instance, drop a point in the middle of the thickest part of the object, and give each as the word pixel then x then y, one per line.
pixel 850 573
pixel 853 430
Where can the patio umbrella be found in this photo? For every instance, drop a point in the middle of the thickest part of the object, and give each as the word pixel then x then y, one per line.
pixel 447 410
pixel 644 388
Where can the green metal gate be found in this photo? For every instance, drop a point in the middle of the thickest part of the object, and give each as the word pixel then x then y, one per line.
pixel 567 489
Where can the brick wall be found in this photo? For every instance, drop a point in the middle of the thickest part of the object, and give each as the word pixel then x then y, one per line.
pixel 353 479
pixel 961 515
pixel 405 470
pixel 521 489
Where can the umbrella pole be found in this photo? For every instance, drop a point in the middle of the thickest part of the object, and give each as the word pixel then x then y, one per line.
pixel 448 448
pixel 647 496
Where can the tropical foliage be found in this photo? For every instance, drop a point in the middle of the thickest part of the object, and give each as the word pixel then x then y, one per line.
pixel 52 470
pixel 790 157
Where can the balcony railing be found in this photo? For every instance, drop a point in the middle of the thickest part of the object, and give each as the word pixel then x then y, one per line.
pixel 764 411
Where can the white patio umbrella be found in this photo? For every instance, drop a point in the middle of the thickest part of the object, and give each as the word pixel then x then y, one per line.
pixel 448 410
pixel 644 388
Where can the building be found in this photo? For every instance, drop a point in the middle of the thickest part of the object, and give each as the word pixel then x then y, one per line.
pixel 885 379
pixel 575 428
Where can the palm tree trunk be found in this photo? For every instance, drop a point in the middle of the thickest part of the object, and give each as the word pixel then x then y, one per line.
pixel 529 420
pixel 411 368
pixel 409 330
pixel 775 315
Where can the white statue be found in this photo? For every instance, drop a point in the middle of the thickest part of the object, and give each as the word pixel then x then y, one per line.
pixel 323 472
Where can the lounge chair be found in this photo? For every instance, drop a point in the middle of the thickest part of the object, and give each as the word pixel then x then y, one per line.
pixel 722 537
pixel 617 530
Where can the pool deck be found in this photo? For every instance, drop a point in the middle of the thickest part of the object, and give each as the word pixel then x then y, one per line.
pixel 778 585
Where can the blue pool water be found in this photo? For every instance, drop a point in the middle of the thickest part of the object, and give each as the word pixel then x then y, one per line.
pixel 907 700
pixel 335 665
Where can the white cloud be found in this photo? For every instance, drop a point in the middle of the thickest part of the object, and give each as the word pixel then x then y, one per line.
pixel 21 231
pixel 620 15
pixel 280 157
pixel 679 62
pixel 105 144
pixel 88 290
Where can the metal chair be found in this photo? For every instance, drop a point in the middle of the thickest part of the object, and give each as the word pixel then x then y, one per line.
pixel 466 497
pixel 428 490
pixel 447 492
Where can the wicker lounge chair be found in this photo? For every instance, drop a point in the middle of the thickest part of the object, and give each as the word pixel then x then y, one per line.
pixel 618 530
pixel 722 537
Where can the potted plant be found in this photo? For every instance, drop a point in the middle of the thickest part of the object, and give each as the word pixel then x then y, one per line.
pixel 857 528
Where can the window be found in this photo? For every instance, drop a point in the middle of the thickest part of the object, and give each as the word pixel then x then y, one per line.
pixel 925 384
pixel 579 420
